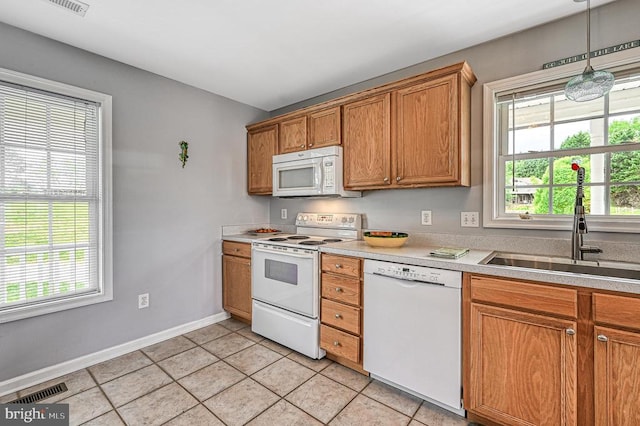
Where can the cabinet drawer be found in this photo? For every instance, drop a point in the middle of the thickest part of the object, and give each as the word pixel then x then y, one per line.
pixel 341 289
pixel 340 343
pixel 616 310
pixel 349 266
pixel 539 298
pixel 234 248
pixel 340 316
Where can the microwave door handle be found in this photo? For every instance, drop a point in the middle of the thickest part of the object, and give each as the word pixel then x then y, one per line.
pixel 319 177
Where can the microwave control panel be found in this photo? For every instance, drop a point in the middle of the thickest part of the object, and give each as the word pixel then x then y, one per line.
pixel 329 173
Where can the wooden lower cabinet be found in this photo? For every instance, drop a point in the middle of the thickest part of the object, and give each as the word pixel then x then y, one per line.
pixel 543 354
pixel 341 310
pixel 236 279
pixel 523 367
pixel 617 377
pixel 616 343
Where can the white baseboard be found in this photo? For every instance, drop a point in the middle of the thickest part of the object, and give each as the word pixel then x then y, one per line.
pixel 26 380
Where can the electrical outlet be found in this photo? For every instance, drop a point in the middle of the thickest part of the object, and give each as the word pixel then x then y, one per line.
pixel 426 217
pixel 469 219
pixel 283 213
pixel 143 301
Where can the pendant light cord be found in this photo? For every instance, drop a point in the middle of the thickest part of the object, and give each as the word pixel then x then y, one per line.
pixel 588 34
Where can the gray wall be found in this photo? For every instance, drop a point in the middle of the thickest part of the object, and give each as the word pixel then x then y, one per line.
pixel 167 220
pixel 505 57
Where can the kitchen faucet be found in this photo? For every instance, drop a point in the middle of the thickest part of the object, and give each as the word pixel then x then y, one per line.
pixel 578 249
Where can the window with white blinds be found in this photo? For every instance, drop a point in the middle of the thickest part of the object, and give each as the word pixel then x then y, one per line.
pixel 51 197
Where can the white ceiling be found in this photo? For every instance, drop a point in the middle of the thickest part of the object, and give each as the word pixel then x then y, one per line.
pixel 272 53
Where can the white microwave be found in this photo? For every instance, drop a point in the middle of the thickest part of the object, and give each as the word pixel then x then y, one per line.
pixel 312 173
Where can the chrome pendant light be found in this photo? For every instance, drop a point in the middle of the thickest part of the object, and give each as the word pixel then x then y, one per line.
pixel 590 84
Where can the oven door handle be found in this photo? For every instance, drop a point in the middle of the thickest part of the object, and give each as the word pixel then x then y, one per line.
pixel 302 256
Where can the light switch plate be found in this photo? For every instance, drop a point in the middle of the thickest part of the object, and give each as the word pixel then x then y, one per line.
pixel 426 217
pixel 469 219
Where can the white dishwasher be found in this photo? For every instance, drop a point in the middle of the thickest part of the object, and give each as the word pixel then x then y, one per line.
pixel 412 330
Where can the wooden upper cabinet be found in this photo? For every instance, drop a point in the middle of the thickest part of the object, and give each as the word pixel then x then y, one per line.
pixel 410 133
pixel 293 135
pixel 427 138
pixel 262 145
pixel 324 128
pixel 366 132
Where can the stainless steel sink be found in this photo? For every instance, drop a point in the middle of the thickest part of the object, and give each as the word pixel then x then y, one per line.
pixel 560 264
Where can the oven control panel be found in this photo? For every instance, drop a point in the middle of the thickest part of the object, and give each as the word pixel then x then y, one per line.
pixel 330 220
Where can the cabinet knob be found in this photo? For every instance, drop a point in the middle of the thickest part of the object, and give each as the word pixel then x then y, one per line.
pixel 386 179
pixel 338 289
pixel 338 266
pixel 570 331
pixel 338 316
pixel 398 178
pixel 336 343
pixel 302 146
pixel 310 144
pixel 602 338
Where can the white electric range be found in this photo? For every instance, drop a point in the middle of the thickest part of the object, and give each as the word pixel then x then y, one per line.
pixel 285 279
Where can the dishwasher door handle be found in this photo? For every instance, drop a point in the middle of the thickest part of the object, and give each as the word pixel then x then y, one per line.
pixel 408 279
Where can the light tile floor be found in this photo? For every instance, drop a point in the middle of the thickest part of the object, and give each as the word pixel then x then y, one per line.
pixel 225 374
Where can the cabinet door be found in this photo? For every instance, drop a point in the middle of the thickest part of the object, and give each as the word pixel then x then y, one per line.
pixel 427 139
pixel 293 135
pixel 367 142
pixel 617 377
pixel 262 145
pixel 324 128
pixel 236 286
pixel 523 367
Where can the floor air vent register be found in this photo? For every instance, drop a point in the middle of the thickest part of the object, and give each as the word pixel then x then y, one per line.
pixel 42 394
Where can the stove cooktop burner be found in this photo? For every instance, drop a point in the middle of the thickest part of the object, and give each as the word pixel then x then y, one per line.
pixel 298 237
pixel 311 243
pixel 332 240
pixel 277 239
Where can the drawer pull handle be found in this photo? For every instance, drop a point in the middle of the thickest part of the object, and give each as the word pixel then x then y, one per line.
pixel 302 146
pixel 338 290
pixel 338 316
pixel 338 266
pixel 336 343
pixel 571 331
pixel 603 338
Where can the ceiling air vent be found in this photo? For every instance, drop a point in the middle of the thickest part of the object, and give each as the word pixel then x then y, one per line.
pixel 75 6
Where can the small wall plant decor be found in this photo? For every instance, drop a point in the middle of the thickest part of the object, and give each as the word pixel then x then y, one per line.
pixel 184 146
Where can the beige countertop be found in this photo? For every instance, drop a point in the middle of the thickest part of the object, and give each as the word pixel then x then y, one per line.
pixel 416 252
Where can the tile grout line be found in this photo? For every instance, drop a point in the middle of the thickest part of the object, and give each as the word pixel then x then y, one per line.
pixel 99 386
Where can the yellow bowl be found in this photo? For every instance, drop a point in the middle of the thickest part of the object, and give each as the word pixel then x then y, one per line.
pixel 385 238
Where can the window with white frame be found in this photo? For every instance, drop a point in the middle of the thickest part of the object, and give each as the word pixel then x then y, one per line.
pixel 533 134
pixel 55 250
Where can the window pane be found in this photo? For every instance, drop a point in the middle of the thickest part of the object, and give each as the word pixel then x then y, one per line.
pixel 579 134
pixel 624 96
pixel 532 139
pixel 564 109
pixel 564 200
pixel 625 128
pixel 625 200
pixel 532 112
pixel 26 224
